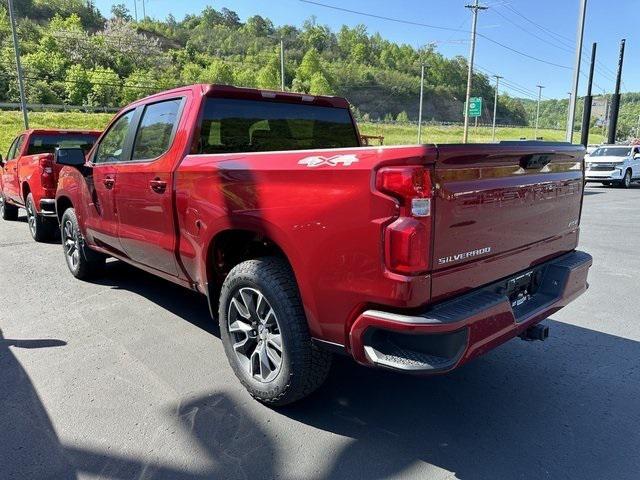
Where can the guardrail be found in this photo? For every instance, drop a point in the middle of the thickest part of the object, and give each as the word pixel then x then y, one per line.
pixel 45 107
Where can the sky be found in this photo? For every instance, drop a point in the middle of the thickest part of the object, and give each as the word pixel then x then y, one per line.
pixel 544 29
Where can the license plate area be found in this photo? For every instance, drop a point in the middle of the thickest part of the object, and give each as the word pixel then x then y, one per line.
pixel 521 288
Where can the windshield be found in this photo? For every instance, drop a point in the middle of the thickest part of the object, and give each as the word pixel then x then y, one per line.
pixel 612 152
pixel 235 125
pixel 48 143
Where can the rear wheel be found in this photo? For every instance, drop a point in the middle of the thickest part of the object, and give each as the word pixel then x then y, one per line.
pixel 83 262
pixel 265 334
pixel 42 229
pixel 7 211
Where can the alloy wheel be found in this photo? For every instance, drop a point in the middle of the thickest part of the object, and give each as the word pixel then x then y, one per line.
pixel 31 218
pixel 255 334
pixel 71 244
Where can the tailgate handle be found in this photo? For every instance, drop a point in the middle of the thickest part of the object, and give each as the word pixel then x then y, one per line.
pixel 537 161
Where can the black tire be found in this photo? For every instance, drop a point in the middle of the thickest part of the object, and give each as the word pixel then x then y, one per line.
pixel 8 212
pixel 42 229
pixel 303 366
pixel 626 181
pixel 83 262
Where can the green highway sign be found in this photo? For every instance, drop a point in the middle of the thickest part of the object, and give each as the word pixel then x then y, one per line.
pixel 475 107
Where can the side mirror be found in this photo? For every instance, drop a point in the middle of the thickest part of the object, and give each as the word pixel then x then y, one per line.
pixel 72 157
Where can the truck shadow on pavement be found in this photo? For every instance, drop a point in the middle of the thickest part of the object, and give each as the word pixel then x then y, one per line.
pixel 568 408
pixel 186 304
pixel 565 408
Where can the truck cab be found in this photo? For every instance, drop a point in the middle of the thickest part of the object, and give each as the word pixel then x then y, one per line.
pixel 614 165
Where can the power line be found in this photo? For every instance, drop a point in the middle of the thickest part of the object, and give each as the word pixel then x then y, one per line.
pixel 419 24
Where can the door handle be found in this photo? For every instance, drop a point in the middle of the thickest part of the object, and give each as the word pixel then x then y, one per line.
pixel 158 186
pixel 109 182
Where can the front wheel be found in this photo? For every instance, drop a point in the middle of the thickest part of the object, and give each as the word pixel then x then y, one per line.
pixel 7 211
pixel 265 334
pixel 626 181
pixel 42 229
pixel 83 262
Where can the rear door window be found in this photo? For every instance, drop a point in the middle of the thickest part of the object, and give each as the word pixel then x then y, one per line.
pixel 236 125
pixel 156 130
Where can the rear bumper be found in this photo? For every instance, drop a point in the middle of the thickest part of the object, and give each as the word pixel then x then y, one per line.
pixel 451 333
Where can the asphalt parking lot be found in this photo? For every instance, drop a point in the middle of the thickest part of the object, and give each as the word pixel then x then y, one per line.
pixel 126 378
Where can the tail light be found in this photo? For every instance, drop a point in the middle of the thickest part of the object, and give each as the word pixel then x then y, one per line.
pixel 46 167
pixel 408 238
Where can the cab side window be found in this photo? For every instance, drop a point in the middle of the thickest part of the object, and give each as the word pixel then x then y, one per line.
pixel 112 145
pixel 156 129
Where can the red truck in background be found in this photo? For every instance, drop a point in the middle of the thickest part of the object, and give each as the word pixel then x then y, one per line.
pixel 29 176
pixel 412 258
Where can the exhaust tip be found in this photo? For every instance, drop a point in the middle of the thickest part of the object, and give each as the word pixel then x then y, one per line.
pixel 536 332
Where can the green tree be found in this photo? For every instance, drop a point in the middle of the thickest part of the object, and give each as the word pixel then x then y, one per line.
pixel 121 12
pixel 40 91
pixel 105 88
pixel 269 75
pixel 319 85
pixel 217 72
pixel 77 85
pixel 402 117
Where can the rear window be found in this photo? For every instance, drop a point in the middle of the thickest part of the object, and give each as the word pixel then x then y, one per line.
pixel 235 125
pixel 48 143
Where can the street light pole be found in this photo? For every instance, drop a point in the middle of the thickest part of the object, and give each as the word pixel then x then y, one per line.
pixel 495 106
pixel 420 106
pixel 576 70
pixel 476 7
pixel 16 47
pixel 540 87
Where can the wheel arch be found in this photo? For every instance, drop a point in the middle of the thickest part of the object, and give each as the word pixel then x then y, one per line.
pixel 62 204
pixel 25 190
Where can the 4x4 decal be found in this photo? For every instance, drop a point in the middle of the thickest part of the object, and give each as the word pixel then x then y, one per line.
pixel 333 161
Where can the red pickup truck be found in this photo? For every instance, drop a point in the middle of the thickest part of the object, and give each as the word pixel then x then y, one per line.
pixel 413 258
pixel 29 176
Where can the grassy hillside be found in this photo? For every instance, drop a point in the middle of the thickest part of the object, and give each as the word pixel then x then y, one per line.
pixel 11 125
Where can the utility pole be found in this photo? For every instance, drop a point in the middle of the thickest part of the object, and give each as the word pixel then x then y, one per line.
pixel 576 70
pixel 144 12
pixel 495 106
pixel 615 100
pixel 638 128
pixel 540 87
pixel 282 64
pixel 420 106
pixel 16 47
pixel 588 100
pixel 475 8
pixel 135 9
pixel 569 106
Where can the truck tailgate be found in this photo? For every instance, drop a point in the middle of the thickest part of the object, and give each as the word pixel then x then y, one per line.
pixel 500 209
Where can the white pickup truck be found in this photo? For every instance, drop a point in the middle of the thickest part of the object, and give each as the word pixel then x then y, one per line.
pixel 614 164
